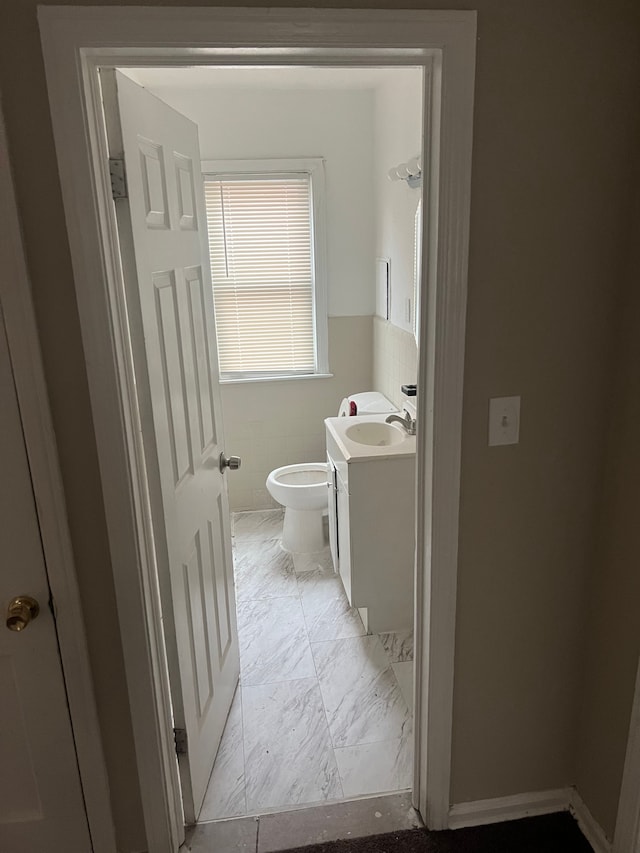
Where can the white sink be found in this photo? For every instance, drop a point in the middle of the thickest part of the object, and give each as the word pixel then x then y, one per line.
pixel 368 436
pixel 375 434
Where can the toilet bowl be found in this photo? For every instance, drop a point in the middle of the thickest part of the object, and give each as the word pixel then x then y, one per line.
pixel 302 491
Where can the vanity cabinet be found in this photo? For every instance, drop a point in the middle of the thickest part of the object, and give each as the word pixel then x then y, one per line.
pixel 372 533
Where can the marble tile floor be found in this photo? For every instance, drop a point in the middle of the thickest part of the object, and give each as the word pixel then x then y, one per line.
pixel 322 711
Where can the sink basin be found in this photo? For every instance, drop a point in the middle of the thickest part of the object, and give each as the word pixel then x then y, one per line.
pixel 375 433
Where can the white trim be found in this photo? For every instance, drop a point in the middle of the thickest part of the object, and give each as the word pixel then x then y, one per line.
pixel 26 360
pixel 498 809
pixel 315 168
pixel 627 833
pixel 589 827
pixel 294 377
pixel 75 42
pixel 448 100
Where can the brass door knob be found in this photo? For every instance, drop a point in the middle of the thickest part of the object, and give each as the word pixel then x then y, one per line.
pixel 21 610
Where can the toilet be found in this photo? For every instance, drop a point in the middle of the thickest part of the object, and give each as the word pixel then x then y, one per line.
pixel 302 489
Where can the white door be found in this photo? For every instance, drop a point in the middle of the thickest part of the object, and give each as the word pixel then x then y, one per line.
pixel 41 805
pixel 170 282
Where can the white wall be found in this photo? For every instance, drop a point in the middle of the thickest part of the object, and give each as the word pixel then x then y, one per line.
pixel 334 124
pixel 397 138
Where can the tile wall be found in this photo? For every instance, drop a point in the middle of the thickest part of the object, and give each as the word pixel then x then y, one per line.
pixel 395 359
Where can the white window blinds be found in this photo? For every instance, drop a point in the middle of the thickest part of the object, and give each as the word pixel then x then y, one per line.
pixel 261 247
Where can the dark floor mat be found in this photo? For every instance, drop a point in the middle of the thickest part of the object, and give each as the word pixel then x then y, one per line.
pixel 557 833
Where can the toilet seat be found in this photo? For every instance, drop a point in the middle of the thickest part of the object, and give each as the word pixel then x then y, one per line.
pixel 302 486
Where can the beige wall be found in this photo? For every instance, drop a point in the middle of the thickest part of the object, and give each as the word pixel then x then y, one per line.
pixel 613 626
pixel 554 142
pixel 282 423
pixel 556 99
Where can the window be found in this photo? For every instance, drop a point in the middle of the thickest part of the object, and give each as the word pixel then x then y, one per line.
pixel 266 244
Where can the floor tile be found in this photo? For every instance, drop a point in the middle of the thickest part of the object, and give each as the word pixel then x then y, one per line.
pixel 225 796
pixel 266 524
pixel 282 599
pixel 309 562
pixel 288 752
pixel 404 675
pixel 362 698
pixel 240 834
pixel 327 613
pixel 398 645
pixel 263 570
pixel 372 768
pixel 356 819
pixel 273 641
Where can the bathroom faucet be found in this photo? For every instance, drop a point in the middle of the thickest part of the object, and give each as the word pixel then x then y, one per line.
pixel 407 422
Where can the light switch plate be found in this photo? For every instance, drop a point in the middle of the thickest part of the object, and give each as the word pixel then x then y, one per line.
pixel 504 420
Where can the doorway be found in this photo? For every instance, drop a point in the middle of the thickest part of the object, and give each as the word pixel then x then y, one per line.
pixel 442 310
pixel 360 122
pixel 323 710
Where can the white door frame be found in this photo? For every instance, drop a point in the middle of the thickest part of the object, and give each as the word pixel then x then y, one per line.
pixel 40 442
pixel 627 833
pixel 76 42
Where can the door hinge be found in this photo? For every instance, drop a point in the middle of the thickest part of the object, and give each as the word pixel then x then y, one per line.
pixel 118 176
pixel 180 738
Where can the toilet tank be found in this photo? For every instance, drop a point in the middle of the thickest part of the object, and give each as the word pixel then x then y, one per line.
pixel 368 402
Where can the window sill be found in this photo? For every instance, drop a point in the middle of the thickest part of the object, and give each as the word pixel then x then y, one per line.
pixel 302 376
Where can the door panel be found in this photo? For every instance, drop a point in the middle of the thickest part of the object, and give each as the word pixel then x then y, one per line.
pixel 202 358
pixel 41 804
pixel 170 353
pixel 170 288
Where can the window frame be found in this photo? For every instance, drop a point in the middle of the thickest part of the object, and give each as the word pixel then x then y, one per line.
pixel 314 167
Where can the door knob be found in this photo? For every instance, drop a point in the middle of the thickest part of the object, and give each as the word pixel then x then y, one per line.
pixel 231 462
pixel 21 610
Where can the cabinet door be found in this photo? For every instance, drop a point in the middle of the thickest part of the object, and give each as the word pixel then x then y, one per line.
pixel 344 538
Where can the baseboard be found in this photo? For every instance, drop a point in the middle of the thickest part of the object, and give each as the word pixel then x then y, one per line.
pixel 590 828
pixel 480 812
pixel 498 809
